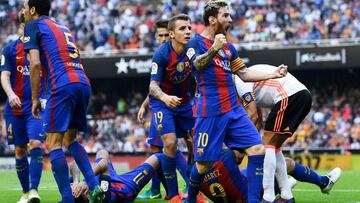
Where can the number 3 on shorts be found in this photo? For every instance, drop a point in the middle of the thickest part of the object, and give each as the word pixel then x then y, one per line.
pixel 203 140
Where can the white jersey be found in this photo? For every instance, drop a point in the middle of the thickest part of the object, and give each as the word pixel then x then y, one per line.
pixel 269 92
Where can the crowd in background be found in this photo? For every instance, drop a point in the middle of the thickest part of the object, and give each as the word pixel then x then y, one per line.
pixel 107 26
pixel 334 121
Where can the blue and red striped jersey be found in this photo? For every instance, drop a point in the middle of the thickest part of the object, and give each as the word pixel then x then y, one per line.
pixel 58 51
pixel 14 60
pixel 217 92
pixel 172 71
pixel 224 182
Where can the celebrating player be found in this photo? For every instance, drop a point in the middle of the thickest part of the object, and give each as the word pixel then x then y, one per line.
pixel 154 140
pixel 219 115
pixel 290 102
pixel 169 96
pixel 53 46
pixel 22 127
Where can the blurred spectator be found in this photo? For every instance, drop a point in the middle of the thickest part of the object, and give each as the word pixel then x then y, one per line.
pixel 105 27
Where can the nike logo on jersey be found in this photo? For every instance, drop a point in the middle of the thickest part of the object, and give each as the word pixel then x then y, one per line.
pixel 19 57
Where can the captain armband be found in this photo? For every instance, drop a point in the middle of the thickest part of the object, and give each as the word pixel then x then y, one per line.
pixel 237 65
pixel 247 98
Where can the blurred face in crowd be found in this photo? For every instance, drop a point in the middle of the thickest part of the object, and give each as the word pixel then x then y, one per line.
pixel 223 20
pixel 181 32
pixel 162 35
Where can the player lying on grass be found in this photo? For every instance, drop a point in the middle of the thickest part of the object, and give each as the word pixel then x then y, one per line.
pixel 117 187
pixel 223 183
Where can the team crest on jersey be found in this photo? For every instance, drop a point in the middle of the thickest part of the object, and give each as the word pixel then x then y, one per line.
pixel 154 68
pixel 200 151
pixel 228 53
pixel 190 53
pixel 221 53
pixel 2 60
pixel 160 127
pixel 180 67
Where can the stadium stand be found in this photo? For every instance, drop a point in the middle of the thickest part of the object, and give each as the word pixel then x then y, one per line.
pixel 105 27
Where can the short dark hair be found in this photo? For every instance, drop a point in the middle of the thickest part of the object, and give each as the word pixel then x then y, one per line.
pixel 42 6
pixel 162 23
pixel 21 17
pixel 172 21
pixel 212 9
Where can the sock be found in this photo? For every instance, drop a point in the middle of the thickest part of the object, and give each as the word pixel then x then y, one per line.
pixel 61 174
pixel 160 173
pixel 36 165
pixel 255 177
pixel 22 170
pixel 168 166
pixel 181 165
pixel 306 174
pixel 281 176
pixel 269 174
pixel 82 160
pixel 155 183
pixel 195 183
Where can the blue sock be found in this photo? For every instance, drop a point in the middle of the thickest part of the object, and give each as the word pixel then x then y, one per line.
pixel 82 160
pixel 22 170
pixel 61 173
pixel 195 183
pixel 255 175
pixel 36 165
pixel 181 165
pixel 306 174
pixel 160 173
pixel 168 166
pixel 155 183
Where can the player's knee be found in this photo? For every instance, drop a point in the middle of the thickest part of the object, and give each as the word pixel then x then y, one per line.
pixel 34 144
pixel 53 143
pixel 102 154
pixel 20 151
pixel 203 167
pixel 290 164
pixel 256 150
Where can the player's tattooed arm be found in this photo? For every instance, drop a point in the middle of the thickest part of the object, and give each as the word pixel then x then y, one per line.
pixel 155 90
pixel 204 60
pixel 75 172
pixel 170 100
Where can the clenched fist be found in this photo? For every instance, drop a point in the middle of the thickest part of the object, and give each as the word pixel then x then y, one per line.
pixel 219 42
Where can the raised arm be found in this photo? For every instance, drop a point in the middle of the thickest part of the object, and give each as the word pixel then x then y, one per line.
pixel 252 75
pixel 202 61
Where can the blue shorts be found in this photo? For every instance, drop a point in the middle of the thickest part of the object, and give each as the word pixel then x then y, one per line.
pixel 21 129
pixel 125 187
pixel 233 128
pixel 178 120
pixel 154 138
pixel 66 108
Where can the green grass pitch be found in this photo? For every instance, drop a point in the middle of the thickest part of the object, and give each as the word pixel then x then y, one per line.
pixel 347 190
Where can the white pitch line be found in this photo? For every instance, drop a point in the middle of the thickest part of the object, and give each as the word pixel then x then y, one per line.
pixel 334 190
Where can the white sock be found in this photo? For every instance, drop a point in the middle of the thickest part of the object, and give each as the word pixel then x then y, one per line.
pixel 269 174
pixel 282 177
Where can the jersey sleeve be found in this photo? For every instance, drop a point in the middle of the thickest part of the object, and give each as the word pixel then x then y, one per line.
pixel 236 62
pixel 158 65
pixel 192 50
pixel 32 36
pixel 245 91
pixel 6 59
